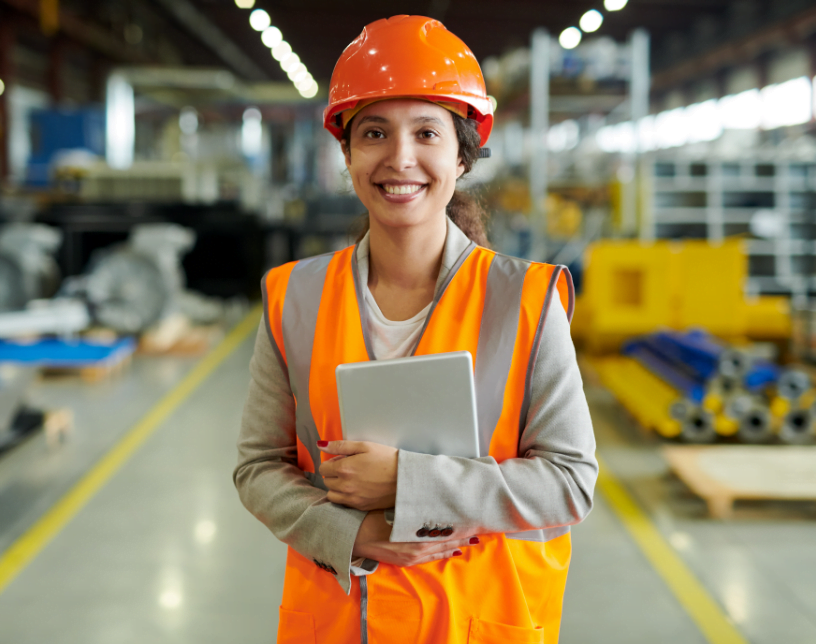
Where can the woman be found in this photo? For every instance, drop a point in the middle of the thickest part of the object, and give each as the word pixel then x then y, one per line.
pixel 390 546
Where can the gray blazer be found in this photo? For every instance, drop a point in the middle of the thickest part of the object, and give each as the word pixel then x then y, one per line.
pixel 537 496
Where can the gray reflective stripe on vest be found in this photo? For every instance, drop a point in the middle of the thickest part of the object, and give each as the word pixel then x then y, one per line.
pixel 497 339
pixel 540 536
pixel 300 307
pixel 552 289
pixel 362 307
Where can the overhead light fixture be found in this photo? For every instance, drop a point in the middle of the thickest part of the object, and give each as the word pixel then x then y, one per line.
pixel 259 20
pixel 272 37
pixel 297 70
pixel 245 4
pixel 252 132
pixel 615 5
pixel 570 38
pixel 789 103
pixel 741 111
pixel 310 91
pixel 290 62
pixel 281 51
pixel 591 21
pixel 304 82
pixel 2 87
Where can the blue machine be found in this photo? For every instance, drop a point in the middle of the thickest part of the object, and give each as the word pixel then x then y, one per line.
pixel 53 130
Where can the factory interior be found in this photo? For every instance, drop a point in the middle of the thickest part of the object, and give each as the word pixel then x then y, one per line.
pixel 158 157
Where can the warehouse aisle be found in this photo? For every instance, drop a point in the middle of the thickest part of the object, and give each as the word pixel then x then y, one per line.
pixel 166 553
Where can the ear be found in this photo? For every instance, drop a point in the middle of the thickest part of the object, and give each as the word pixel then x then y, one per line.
pixel 346 153
pixel 460 170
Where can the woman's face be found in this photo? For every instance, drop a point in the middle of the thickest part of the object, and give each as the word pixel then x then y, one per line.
pixel 404 161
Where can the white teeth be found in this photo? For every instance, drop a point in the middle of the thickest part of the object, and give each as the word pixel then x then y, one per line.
pixel 401 190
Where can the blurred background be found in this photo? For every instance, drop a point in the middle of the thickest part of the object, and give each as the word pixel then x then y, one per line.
pixel 158 156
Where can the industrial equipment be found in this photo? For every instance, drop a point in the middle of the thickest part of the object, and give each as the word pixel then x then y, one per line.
pixel 694 387
pixel 131 286
pixel 27 267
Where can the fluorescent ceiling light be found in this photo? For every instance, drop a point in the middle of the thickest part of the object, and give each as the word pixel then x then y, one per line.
pixel 259 20
pixel 309 92
pixel 591 21
pixel 788 103
pixel 704 121
pixel 741 111
pixel 245 4
pixel 615 5
pixel 281 51
pixel 290 62
pixel 304 82
pixel 570 38
pixel 272 37
pixel 299 73
pixel 672 128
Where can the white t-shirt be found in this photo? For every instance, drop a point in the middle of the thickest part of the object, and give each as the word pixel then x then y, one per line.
pixel 390 339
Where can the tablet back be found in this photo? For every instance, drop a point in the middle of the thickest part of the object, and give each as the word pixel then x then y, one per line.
pixel 421 404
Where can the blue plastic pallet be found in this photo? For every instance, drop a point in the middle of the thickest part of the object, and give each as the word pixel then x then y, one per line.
pixel 66 354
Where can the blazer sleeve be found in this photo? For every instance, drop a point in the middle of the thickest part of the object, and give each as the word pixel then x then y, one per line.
pixel 550 485
pixel 269 481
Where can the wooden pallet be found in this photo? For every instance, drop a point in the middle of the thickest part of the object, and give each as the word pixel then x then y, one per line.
pixel 176 336
pixel 721 474
pixel 93 373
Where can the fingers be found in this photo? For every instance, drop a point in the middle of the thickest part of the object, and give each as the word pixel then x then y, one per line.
pixel 445 554
pixel 344 448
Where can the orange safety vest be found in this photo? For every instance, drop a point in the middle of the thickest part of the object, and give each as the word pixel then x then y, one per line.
pixel 509 587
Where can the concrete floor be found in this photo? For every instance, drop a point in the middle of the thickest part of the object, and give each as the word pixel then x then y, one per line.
pixel 166 553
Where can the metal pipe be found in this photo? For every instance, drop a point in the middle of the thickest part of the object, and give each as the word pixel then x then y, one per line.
pixel 539 124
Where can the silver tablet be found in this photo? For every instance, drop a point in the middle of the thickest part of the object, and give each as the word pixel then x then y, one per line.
pixel 421 404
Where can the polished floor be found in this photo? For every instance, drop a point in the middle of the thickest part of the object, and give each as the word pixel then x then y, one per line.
pixel 164 552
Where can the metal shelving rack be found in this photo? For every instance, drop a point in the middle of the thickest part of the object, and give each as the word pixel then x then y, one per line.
pixel 714 199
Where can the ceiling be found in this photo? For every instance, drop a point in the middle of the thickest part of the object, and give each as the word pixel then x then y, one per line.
pixel 319 30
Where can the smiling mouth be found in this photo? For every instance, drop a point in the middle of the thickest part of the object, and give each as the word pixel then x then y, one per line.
pixel 402 190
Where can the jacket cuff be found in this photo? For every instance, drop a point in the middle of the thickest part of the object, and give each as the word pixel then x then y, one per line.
pixel 336 558
pixel 418 516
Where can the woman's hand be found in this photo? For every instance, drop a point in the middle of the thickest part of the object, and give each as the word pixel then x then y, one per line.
pixel 372 543
pixel 362 475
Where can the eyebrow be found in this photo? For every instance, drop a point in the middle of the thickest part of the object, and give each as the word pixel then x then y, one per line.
pixel 381 119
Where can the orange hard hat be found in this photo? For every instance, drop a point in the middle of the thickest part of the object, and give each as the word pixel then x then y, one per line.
pixel 404 57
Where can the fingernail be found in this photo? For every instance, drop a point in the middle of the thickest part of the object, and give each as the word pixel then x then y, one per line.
pixel 322 443
pixel 474 541
pixel 457 553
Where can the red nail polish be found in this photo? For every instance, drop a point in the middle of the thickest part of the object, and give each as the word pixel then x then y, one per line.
pixel 322 443
pixel 474 541
pixel 457 553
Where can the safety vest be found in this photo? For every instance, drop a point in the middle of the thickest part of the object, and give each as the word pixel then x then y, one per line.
pixel 509 587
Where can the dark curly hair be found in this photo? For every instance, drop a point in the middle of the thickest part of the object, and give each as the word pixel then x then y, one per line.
pixel 463 209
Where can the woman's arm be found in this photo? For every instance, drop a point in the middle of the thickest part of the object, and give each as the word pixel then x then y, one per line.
pixel 550 485
pixel 269 481
pixel 274 489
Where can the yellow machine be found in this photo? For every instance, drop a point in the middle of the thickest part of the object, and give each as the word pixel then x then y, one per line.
pixel 631 288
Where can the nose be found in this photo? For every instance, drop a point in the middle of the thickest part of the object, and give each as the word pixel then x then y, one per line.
pixel 401 153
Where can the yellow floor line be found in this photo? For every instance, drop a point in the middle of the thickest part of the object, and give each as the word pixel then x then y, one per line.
pixel 29 545
pixel 687 589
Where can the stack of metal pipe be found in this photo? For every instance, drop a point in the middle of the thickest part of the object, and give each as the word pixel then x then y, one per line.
pixel 725 391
